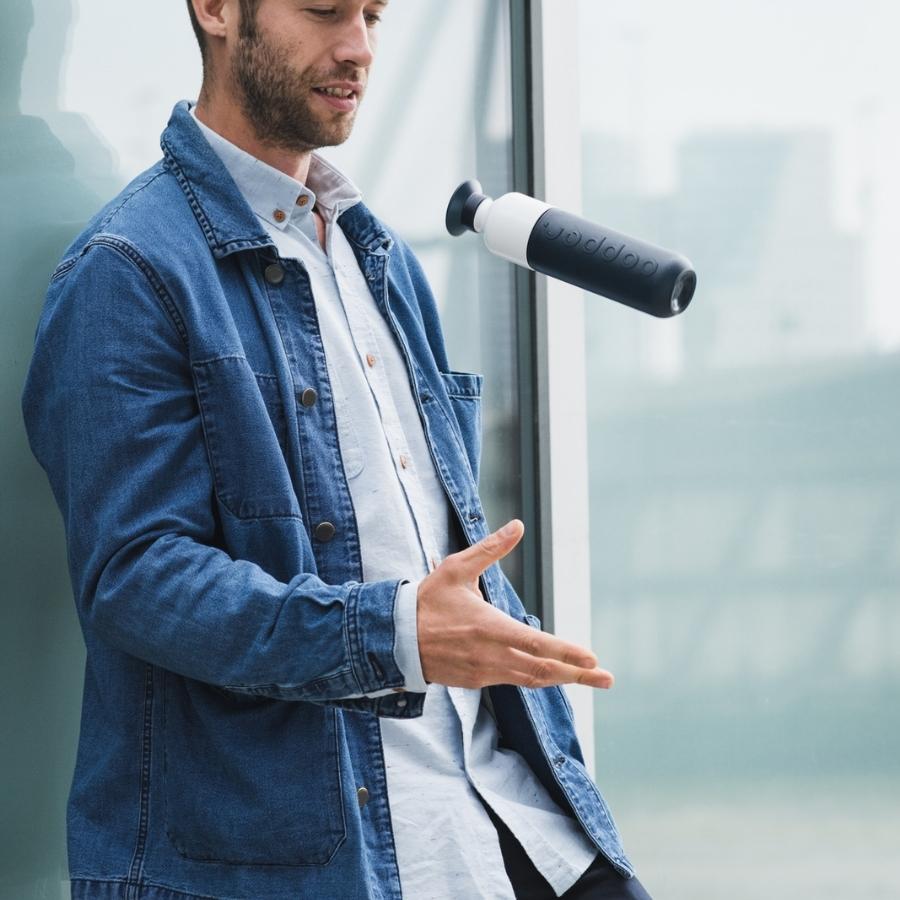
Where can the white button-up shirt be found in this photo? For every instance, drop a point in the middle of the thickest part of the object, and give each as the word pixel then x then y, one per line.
pixel 447 846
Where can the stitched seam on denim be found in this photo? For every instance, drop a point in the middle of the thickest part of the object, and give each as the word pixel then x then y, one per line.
pixel 209 441
pixel 386 807
pixel 394 642
pixel 224 356
pixel 340 783
pixel 446 477
pixel 190 896
pixel 350 635
pixel 91 879
pixel 206 226
pixel 454 389
pixel 457 436
pixel 64 267
pixel 137 861
pixel 184 184
pixel 310 686
pixel 131 253
pixel 260 518
pixel 125 200
pixel 572 798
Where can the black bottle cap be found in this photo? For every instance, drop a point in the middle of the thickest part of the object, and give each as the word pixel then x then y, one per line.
pixel 461 209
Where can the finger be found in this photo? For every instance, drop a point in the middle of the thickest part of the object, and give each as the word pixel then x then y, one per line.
pixel 468 564
pixel 543 672
pixel 528 671
pixel 542 644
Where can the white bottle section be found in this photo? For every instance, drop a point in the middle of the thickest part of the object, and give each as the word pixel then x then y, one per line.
pixel 507 223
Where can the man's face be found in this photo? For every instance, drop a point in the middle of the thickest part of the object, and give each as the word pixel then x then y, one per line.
pixel 294 63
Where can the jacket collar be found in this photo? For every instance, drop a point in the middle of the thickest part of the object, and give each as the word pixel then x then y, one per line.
pixel 227 221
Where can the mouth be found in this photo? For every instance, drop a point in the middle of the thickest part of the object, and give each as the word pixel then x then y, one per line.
pixel 344 97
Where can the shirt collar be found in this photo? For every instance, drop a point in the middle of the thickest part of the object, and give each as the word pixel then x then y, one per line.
pixel 276 197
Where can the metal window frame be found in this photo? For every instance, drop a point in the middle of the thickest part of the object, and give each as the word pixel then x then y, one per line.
pixel 550 336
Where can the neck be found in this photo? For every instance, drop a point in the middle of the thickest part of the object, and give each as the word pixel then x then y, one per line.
pixel 226 119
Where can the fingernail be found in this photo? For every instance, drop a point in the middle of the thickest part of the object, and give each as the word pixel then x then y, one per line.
pixel 509 528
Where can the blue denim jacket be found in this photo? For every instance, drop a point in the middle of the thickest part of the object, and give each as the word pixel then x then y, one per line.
pixel 214 556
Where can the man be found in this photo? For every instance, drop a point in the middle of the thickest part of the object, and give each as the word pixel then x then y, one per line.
pixel 268 477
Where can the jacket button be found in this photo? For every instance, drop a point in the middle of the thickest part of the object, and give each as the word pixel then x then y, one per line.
pixel 274 274
pixel 362 795
pixel 324 531
pixel 308 397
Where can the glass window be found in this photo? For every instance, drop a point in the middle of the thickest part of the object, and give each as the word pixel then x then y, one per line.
pixel 85 91
pixel 745 456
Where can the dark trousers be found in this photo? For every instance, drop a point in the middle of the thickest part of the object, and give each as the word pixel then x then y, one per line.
pixel 600 882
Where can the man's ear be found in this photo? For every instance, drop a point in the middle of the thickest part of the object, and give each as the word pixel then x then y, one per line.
pixel 214 16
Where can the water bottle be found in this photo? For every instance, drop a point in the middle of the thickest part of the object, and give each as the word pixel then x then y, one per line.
pixel 538 236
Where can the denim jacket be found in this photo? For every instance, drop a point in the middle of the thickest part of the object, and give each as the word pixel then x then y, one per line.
pixel 214 556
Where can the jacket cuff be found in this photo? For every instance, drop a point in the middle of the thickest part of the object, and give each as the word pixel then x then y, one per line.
pixel 369 623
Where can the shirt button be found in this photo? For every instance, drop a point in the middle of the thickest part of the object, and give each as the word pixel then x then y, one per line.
pixel 362 795
pixel 404 461
pixel 302 200
pixel 324 531
pixel 433 564
pixel 274 274
pixel 279 216
pixel 370 359
pixel 308 397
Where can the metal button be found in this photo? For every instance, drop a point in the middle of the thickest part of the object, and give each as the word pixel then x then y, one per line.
pixel 279 215
pixel 302 200
pixel 324 531
pixel 274 274
pixel 401 702
pixel 370 359
pixel 309 397
pixel 362 795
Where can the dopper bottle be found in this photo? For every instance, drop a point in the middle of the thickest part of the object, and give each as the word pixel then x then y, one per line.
pixel 538 236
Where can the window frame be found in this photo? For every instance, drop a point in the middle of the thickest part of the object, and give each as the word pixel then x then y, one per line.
pixel 550 336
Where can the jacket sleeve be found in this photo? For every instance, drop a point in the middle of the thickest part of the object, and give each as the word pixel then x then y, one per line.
pixel 111 415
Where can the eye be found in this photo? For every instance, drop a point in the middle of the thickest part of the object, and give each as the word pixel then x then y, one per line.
pixel 322 13
pixel 373 18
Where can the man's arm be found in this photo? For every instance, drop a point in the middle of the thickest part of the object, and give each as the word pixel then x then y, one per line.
pixel 111 415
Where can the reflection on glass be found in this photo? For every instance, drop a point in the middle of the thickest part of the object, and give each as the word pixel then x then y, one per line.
pixel 745 458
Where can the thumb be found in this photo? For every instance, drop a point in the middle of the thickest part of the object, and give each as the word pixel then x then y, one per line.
pixel 472 561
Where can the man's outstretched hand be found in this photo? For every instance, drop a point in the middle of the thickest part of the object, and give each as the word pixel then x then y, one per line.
pixel 466 642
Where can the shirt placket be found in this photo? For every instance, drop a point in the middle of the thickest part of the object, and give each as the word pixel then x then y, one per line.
pixel 366 344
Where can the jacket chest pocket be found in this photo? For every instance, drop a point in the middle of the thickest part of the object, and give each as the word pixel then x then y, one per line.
pixel 246 436
pixel 464 391
pixel 250 780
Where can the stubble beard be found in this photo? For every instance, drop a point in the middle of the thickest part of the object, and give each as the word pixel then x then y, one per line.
pixel 277 100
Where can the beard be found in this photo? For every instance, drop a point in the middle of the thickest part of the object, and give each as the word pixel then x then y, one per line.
pixel 277 100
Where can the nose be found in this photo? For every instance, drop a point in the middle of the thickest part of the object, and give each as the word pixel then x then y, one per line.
pixel 355 45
